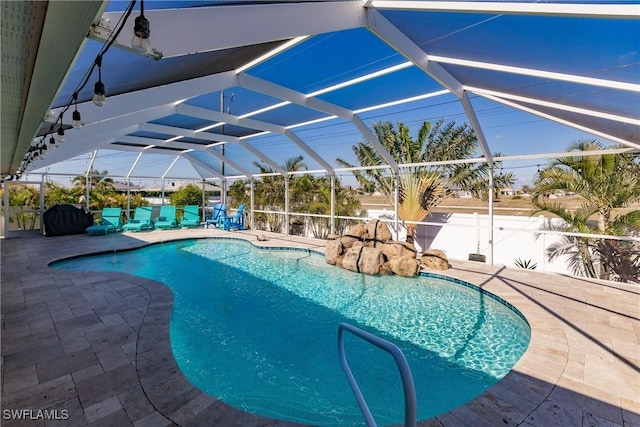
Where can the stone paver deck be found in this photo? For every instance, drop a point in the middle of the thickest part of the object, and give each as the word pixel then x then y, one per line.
pixel 94 347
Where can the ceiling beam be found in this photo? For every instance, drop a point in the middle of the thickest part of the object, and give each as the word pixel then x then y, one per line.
pixel 583 10
pixel 170 94
pixel 213 137
pixel 177 32
pixel 572 78
pixel 299 98
pixel 561 121
pixel 92 136
pixel 201 164
pixel 229 162
pixel 584 111
pixel 254 124
pixel 395 38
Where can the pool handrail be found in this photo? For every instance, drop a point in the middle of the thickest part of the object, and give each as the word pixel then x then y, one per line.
pixel 410 405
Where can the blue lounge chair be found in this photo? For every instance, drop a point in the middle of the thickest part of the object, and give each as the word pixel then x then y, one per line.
pixel 190 217
pixel 217 216
pixel 141 220
pixel 167 218
pixel 109 222
pixel 236 221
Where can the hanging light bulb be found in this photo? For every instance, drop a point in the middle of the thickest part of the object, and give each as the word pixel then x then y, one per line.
pixel 140 41
pixel 76 120
pixel 49 117
pixel 60 132
pixel 99 97
pixel 52 143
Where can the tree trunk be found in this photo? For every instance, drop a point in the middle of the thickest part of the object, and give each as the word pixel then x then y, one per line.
pixel 411 232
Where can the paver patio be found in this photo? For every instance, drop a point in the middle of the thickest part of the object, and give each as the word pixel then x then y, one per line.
pixel 97 344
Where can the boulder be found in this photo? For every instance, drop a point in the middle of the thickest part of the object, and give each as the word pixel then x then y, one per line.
pixel 333 237
pixel 405 266
pixel 333 249
pixel 351 258
pixel 435 259
pixel 386 269
pixel 377 233
pixel 354 234
pixel 395 249
pixel 370 260
pixel 362 260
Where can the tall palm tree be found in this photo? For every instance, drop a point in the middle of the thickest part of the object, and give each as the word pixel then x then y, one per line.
pixel 270 191
pixel 606 182
pixel 98 180
pixel 609 181
pixel 437 142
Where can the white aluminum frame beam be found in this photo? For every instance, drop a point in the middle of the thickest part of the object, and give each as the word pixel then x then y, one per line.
pixel 587 10
pixel 214 137
pixel 94 135
pixel 202 165
pixel 205 114
pixel 543 74
pixel 204 29
pixel 561 121
pixel 555 105
pixel 231 163
pixel 395 38
pixel 299 98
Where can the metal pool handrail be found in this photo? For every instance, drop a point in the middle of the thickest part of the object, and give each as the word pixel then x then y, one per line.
pixel 410 406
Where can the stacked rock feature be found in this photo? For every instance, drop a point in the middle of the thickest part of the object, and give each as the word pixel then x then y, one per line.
pixel 369 248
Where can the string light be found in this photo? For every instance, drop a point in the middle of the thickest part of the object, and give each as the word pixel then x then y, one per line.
pixel 76 121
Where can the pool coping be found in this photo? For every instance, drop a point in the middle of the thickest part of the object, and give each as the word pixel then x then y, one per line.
pixel 533 393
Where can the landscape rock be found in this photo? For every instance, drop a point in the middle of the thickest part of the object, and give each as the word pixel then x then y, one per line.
pixel 369 249
pixel 395 249
pixel 377 233
pixel 354 234
pixel 435 259
pixel 370 260
pixel 333 249
pixel 405 266
pixel 351 258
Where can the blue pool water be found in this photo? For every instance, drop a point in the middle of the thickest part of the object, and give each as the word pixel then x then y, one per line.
pixel 257 329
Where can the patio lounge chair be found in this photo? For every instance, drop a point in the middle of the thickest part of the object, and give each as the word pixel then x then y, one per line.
pixel 190 217
pixel 167 218
pixel 141 220
pixel 217 216
pixel 236 221
pixel 109 222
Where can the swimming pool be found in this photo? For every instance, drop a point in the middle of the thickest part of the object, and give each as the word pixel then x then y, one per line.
pixel 257 330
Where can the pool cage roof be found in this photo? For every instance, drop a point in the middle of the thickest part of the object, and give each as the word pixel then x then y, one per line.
pixel 265 78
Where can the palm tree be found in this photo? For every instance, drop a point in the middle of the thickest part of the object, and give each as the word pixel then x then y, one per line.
pixel 418 194
pixel 609 181
pixel 98 180
pixel 437 142
pixel 606 182
pixel 270 191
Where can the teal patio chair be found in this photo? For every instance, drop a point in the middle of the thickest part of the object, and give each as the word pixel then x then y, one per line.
pixel 167 218
pixel 217 216
pixel 141 220
pixel 109 222
pixel 236 221
pixel 190 217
